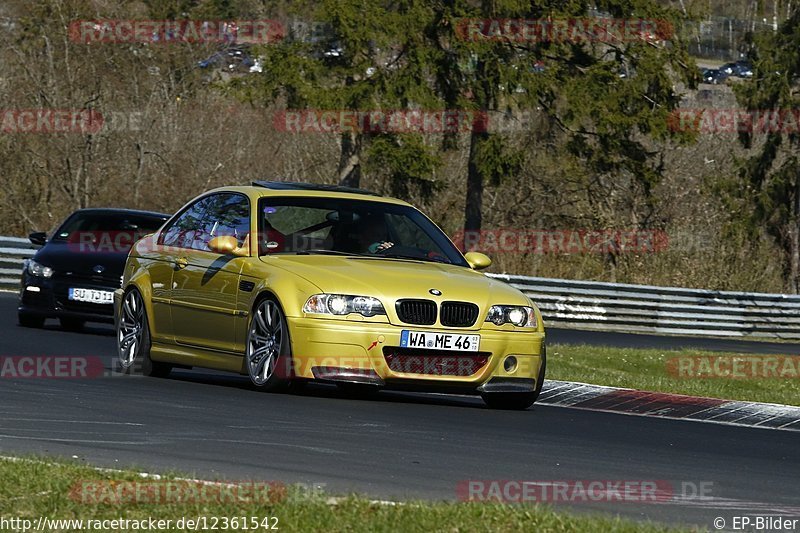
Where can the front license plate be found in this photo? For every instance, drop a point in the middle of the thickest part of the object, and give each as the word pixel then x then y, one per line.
pixel 92 296
pixel 440 341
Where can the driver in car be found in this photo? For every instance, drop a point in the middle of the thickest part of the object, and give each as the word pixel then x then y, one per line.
pixel 373 234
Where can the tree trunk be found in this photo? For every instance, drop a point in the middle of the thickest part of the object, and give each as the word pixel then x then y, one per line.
pixel 484 91
pixel 473 218
pixel 349 170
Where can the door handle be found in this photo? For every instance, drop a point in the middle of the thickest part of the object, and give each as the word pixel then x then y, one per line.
pixel 181 263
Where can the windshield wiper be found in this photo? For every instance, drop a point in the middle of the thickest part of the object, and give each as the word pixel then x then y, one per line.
pixel 372 256
pixel 328 252
pixel 412 257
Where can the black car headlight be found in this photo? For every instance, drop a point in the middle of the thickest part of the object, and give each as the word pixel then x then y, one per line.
pixel 37 269
pixel 342 304
pixel 520 316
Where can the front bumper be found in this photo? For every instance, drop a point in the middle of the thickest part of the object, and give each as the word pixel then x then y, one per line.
pixel 355 351
pixel 48 298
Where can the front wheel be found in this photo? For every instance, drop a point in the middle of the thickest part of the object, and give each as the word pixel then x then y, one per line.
pixel 133 339
pixel 269 352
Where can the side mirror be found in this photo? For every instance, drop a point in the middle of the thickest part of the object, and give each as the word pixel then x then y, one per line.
pixel 477 260
pixel 227 245
pixel 38 237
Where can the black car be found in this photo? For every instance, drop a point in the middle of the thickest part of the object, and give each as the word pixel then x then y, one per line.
pixel 739 69
pixel 714 76
pixel 74 275
pixel 231 59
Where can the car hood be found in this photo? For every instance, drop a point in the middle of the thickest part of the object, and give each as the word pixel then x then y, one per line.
pixel 63 258
pixel 393 279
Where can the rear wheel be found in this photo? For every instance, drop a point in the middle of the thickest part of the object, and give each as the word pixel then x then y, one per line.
pixel 71 324
pixel 133 339
pixel 269 352
pixel 517 400
pixel 27 320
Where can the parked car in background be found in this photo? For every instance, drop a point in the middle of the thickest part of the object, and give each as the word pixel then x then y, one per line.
pixel 714 76
pixel 739 69
pixel 73 275
pixel 234 59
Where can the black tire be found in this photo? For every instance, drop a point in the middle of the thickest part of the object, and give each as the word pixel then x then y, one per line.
pixel 30 321
pixel 139 363
pixel 517 401
pixel 72 324
pixel 268 321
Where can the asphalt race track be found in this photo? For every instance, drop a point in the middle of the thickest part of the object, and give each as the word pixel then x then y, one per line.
pixel 395 446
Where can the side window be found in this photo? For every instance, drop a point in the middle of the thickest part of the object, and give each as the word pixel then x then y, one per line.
pixel 228 215
pixel 186 230
pixel 213 216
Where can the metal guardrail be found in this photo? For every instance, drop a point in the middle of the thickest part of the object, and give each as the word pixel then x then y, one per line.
pixel 13 251
pixel 601 306
pixel 671 310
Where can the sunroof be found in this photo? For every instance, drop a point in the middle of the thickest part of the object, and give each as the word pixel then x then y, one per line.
pixel 303 186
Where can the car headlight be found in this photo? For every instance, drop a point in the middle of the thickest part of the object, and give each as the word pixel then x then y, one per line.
pixel 342 304
pixel 40 271
pixel 520 316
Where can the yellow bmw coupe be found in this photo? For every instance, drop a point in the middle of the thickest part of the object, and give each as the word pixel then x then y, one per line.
pixel 293 282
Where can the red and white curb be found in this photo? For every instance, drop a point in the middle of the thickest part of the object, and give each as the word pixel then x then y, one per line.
pixel 664 405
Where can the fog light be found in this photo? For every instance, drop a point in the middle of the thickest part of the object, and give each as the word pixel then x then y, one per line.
pixel 31 288
pixel 510 364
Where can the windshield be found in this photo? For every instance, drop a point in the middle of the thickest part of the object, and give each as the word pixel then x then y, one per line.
pixel 351 227
pixel 122 229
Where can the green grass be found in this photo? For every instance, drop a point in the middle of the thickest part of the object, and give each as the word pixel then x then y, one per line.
pixel 646 369
pixel 33 488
